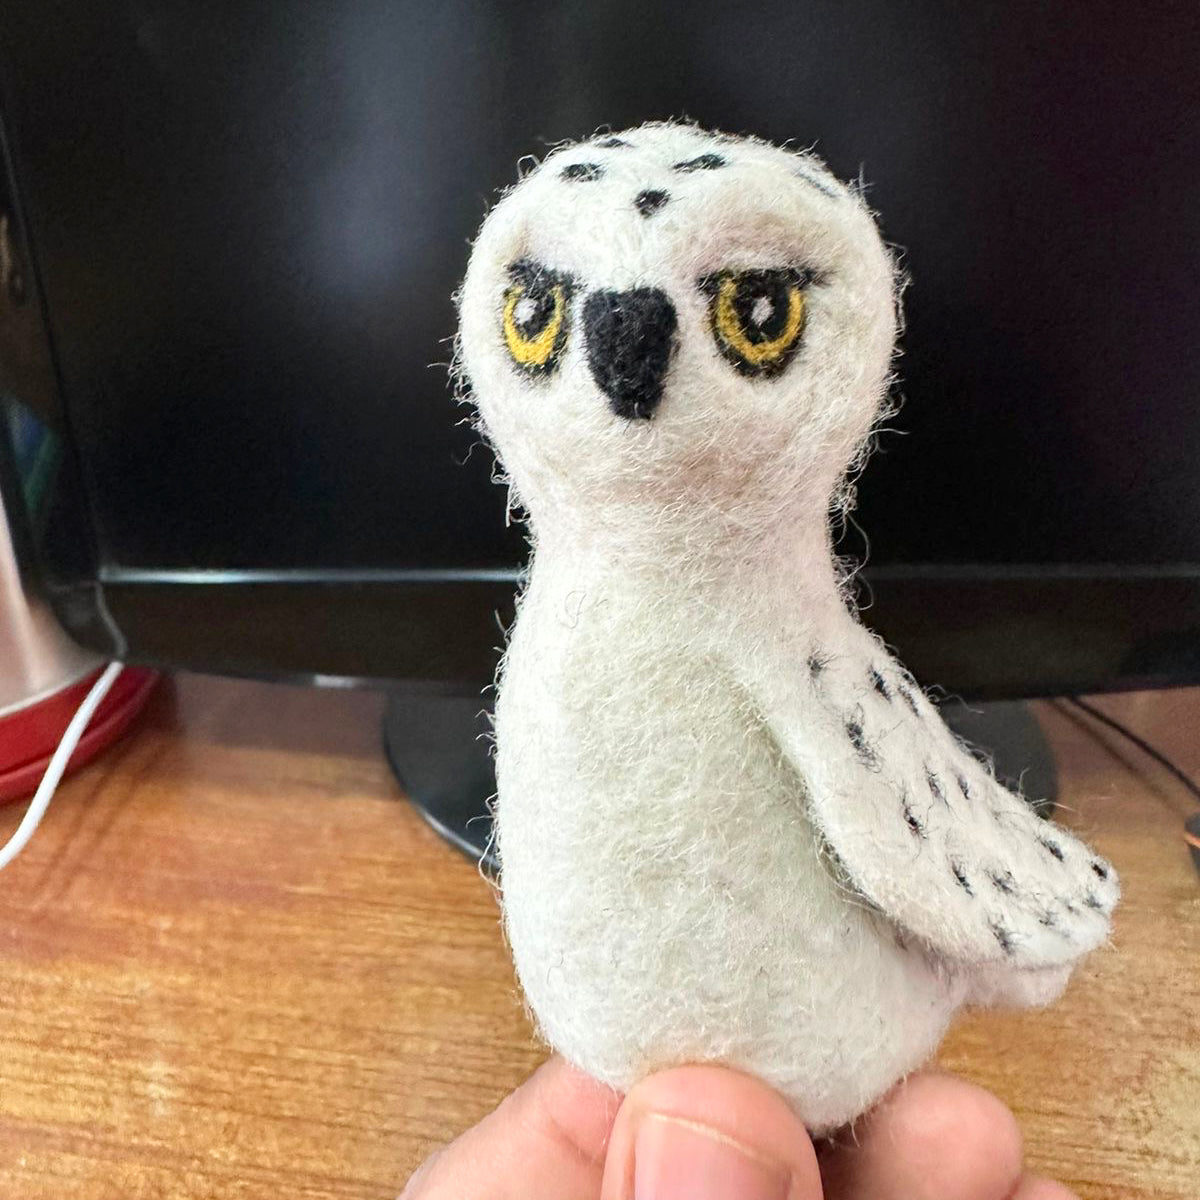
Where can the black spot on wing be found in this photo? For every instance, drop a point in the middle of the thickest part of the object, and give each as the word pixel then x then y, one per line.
pixel 1002 934
pixel 1003 881
pixel 614 143
pixel 906 694
pixel 960 877
pixel 963 786
pixel 879 683
pixel 648 202
pixel 935 787
pixel 911 819
pixel 1052 847
pixel 858 739
pixel 1099 869
pixel 702 162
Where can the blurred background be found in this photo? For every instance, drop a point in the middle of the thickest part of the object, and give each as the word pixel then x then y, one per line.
pixel 231 235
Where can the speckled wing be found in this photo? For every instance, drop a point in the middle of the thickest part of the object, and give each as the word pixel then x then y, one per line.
pixel 917 825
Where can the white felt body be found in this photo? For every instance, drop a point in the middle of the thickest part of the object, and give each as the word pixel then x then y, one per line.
pixel 668 895
pixel 731 828
pixel 665 894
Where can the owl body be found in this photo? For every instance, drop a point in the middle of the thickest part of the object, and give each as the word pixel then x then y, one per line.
pixel 665 894
pixel 731 827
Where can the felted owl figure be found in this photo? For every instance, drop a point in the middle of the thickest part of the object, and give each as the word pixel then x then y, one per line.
pixel 731 827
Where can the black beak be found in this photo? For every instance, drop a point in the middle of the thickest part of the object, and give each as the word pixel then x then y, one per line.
pixel 630 340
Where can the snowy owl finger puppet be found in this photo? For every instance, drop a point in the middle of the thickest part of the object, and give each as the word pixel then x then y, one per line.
pixel 731 827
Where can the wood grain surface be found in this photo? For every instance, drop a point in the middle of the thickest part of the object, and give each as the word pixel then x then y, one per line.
pixel 234 963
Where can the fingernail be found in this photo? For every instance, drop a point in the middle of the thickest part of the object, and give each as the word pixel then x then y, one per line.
pixel 679 1160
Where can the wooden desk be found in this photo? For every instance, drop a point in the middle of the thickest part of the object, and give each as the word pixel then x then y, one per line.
pixel 235 964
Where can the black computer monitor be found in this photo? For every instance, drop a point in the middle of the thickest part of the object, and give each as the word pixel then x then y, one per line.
pixel 232 238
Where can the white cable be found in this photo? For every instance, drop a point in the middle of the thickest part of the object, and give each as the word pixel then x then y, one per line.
pixel 58 764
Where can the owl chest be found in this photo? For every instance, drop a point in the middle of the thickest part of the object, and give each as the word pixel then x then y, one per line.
pixel 608 706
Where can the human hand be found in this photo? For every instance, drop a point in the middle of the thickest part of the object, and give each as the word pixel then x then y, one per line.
pixel 709 1133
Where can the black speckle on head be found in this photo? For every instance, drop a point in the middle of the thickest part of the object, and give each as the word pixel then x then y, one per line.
pixel 1002 935
pixel 1093 901
pixel 1052 848
pixel 935 786
pixel 1003 881
pixel 702 162
pixel 1099 869
pixel 817 663
pixel 858 739
pixel 906 694
pixel 1069 907
pixel 650 201
pixel 911 820
pixel 879 683
pixel 613 143
pixel 963 786
pixel 1046 917
pixel 960 877
pixel 814 180
pixel 584 172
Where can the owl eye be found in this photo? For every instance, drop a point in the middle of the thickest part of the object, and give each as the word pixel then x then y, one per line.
pixel 757 316
pixel 536 316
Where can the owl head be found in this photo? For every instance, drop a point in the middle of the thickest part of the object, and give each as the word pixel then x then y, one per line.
pixel 670 321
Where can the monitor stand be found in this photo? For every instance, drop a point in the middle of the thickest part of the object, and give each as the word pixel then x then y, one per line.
pixel 1009 733
pixel 439 749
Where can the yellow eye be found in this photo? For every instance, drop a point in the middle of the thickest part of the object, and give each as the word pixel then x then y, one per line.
pixel 757 317
pixel 536 317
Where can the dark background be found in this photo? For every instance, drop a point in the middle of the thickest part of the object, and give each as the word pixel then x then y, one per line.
pixel 246 223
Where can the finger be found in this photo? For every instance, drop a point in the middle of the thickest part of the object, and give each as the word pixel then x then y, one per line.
pixel 1035 1187
pixel 546 1141
pixel 933 1137
pixel 708 1133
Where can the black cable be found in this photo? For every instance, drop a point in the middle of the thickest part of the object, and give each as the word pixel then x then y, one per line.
pixel 1191 827
pixel 1144 746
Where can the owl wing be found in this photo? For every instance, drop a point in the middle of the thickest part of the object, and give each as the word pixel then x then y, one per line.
pixel 917 825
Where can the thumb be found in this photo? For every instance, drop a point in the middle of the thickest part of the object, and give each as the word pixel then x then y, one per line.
pixel 708 1133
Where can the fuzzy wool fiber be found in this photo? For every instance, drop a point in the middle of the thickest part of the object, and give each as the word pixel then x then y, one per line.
pixel 732 828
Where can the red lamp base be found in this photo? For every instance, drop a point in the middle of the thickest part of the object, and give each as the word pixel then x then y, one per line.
pixel 29 736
